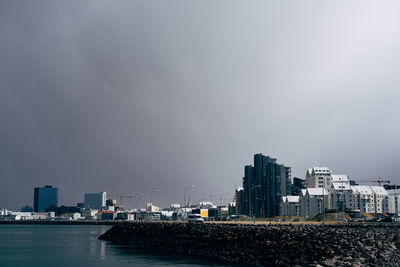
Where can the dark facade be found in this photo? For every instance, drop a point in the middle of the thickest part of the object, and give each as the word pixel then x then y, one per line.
pixel 26 209
pixel 264 185
pixel 248 180
pixel 241 201
pixel 45 198
pixel 67 209
pixel 297 185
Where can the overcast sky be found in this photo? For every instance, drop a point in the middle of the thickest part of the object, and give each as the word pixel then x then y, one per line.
pixel 133 96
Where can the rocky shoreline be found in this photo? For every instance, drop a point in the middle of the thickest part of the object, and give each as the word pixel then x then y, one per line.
pixel 268 245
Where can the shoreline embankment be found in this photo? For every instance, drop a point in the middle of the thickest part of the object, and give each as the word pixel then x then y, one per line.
pixel 267 245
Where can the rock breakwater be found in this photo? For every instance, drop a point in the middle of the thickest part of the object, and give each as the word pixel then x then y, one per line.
pixel 268 245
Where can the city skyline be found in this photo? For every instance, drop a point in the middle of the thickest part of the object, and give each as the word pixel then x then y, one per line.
pixel 132 97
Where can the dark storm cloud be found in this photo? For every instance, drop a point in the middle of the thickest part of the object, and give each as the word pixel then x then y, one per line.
pixel 130 96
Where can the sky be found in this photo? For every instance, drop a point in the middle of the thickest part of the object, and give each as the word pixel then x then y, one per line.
pixel 134 96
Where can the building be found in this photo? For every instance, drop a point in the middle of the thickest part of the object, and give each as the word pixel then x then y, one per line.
pixel 95 201
pixel 45 198
pixel 297 185
pixel 340 179
pixel 381 199
pixel 106 215
pixel 111 202
pixel 264 185
pixel 313 201
pixel 89 214
pixel 151 208
pixel 67 210
pixel 318 177
pixel 341 197
pixel 290 206
pixel 364 198
pixel 240 201
pixel 394 201
pixel 26 208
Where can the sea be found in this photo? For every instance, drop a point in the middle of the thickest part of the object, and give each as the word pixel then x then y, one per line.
pixel 77 245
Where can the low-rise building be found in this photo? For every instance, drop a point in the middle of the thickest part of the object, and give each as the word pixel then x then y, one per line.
pixel 151 208
pixel 105 215
pixel 290 206
pixel 380 200
pixel 341 197
pixel 394 202
pixel 314 201
pixel 89 214
pixel 364 198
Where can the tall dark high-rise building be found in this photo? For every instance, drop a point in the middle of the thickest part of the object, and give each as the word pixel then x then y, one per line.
pixel 264 185
pixel 44 198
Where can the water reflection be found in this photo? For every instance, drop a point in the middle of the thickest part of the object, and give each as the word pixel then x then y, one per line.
pixel 49 246
pixel 102 250
pixel 155 256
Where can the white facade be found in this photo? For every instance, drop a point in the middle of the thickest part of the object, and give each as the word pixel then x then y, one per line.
pixel 341 193
pixel 290 206
pixel 394 202
pixel 313 201
pixel 364 198
pixel 318 177
pixel 381 199
pixel 72 216
pixel 340 179
pixel 151 208
pixel 368 199
pixel 89 214
pixel 17 215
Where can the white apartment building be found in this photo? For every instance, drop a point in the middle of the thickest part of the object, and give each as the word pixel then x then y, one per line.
pixel 341 193
pixel 313 201
pixel 394 202
pixel 340 179
pixel 290 206
pixel 381 199
pixel 368 199
pixel 318 177
pixel 364 198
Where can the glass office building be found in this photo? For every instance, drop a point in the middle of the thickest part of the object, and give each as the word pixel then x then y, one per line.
pixel 264 184
pixel 44 198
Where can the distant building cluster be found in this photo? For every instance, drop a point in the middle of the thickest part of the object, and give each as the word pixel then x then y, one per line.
pixel 97 206
pixel 267 191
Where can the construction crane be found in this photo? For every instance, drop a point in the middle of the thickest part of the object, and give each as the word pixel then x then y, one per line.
pixel 121 206
pixel 380 181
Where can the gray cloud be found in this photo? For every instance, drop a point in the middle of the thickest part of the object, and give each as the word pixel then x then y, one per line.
pixel 129 96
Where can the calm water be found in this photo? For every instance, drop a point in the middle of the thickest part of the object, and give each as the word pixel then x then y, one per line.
pixel 75 245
